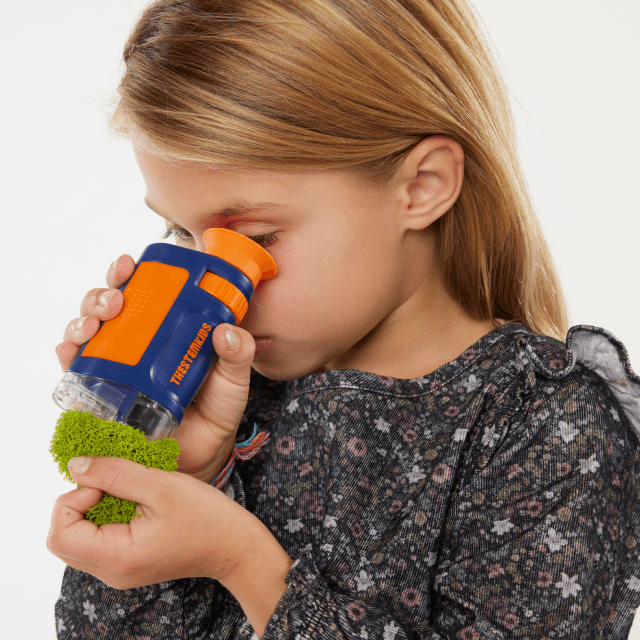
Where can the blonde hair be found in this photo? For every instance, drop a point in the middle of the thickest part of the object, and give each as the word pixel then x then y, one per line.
pixel 354 85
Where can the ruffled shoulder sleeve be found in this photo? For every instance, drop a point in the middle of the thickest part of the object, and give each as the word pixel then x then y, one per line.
pixel 598 350
pixel 543 533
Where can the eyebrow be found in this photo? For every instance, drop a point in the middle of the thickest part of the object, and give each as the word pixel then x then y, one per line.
pixel 233 210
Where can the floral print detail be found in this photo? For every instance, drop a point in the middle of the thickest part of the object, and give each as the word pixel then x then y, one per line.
pixel 493 498
pixel 568 585
pixel 555 541
pixel 89 610
pixel 633 583
pixel 500 527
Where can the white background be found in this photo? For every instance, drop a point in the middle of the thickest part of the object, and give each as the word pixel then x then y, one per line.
pixel 73 203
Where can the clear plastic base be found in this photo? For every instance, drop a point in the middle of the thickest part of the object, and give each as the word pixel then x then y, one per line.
pixel 72 392
pixel 104 400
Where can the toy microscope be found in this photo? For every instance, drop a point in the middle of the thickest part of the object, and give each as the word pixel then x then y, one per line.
pixel 144 367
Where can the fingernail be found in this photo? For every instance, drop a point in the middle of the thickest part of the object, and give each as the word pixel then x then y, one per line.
pixel 79 322
pixel 105 297
pixel 232 339
pixel 79 464
pixel 114 264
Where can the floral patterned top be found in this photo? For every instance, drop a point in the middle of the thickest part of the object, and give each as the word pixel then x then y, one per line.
pixel 493 498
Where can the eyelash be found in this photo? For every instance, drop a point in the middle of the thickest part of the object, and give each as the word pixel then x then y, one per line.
pixel 265 240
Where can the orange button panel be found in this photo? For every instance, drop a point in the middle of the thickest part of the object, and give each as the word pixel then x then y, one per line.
pixel 148 296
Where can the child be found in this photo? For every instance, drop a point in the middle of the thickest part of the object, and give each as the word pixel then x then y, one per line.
pixel 440 464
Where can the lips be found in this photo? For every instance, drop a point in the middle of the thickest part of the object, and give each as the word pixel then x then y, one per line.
pixel 263 345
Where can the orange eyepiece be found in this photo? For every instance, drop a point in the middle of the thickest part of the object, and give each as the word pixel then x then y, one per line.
pixel 244 254
pixel 241 252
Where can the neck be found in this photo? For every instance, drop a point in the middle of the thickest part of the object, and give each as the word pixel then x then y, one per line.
pixel 426 329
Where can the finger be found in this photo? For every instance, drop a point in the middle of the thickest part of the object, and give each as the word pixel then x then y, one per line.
pixel 120 271
pixel 68 525
pixel 123 478
pixel 66 352
pixel 220 402
pixel 107 303
pixel 97 306
pixel 81 543
pixel 224 395
pixel 71 507
pixel 79 330
pixel 103 303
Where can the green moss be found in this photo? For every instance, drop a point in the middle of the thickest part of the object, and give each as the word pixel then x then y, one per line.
pixel 79 433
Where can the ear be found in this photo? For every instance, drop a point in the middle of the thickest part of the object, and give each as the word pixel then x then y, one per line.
pixel 430 181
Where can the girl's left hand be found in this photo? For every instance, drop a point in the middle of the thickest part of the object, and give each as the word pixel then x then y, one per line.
pixel 186 529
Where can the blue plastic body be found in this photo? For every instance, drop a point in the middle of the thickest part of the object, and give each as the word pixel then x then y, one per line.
pixel 193 308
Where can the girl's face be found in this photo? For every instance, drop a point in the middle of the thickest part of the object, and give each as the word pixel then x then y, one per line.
pixel 350 291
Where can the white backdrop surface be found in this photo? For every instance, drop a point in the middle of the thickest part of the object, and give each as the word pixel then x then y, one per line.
pixel 74 202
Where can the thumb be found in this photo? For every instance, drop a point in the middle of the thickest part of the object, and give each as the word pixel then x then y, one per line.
pixel 119 477
pixel 222 399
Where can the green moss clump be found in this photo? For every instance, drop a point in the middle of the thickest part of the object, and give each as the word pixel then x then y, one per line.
pixel 79 433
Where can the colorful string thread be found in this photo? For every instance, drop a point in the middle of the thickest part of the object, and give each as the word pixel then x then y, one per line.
pixel 244 451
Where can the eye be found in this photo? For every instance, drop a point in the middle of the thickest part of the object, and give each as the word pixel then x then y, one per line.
pixel 178 234
pixel 265 240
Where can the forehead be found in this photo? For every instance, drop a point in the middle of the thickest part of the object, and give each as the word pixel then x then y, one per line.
pixel 194 194
pixel 238 208
pixel 171 184
pixel 235 188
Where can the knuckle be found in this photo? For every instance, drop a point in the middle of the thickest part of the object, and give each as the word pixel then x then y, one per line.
pixel 92 295
pixel 112 475
pixel 53 536
pixel 97 302
pixel 89 302
pixel 66 353
pixel 53 542
pixel 60 500
pixel 71 334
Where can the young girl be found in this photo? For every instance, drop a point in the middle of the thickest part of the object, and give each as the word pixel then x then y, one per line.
pixel 443 459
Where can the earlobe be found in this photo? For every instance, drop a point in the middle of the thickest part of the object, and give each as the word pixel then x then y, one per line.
pixel 430 180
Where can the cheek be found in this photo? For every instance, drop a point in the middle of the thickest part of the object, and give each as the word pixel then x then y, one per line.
pixel 303 290
pixel 294 297
pixel 321 284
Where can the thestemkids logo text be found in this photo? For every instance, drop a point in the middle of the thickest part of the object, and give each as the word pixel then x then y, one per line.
pixel 192 352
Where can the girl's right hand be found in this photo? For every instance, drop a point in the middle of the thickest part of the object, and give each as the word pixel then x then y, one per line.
pixel 208 430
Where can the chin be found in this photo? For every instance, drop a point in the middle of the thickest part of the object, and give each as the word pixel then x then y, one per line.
pixel 281 375
pixel 264 371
